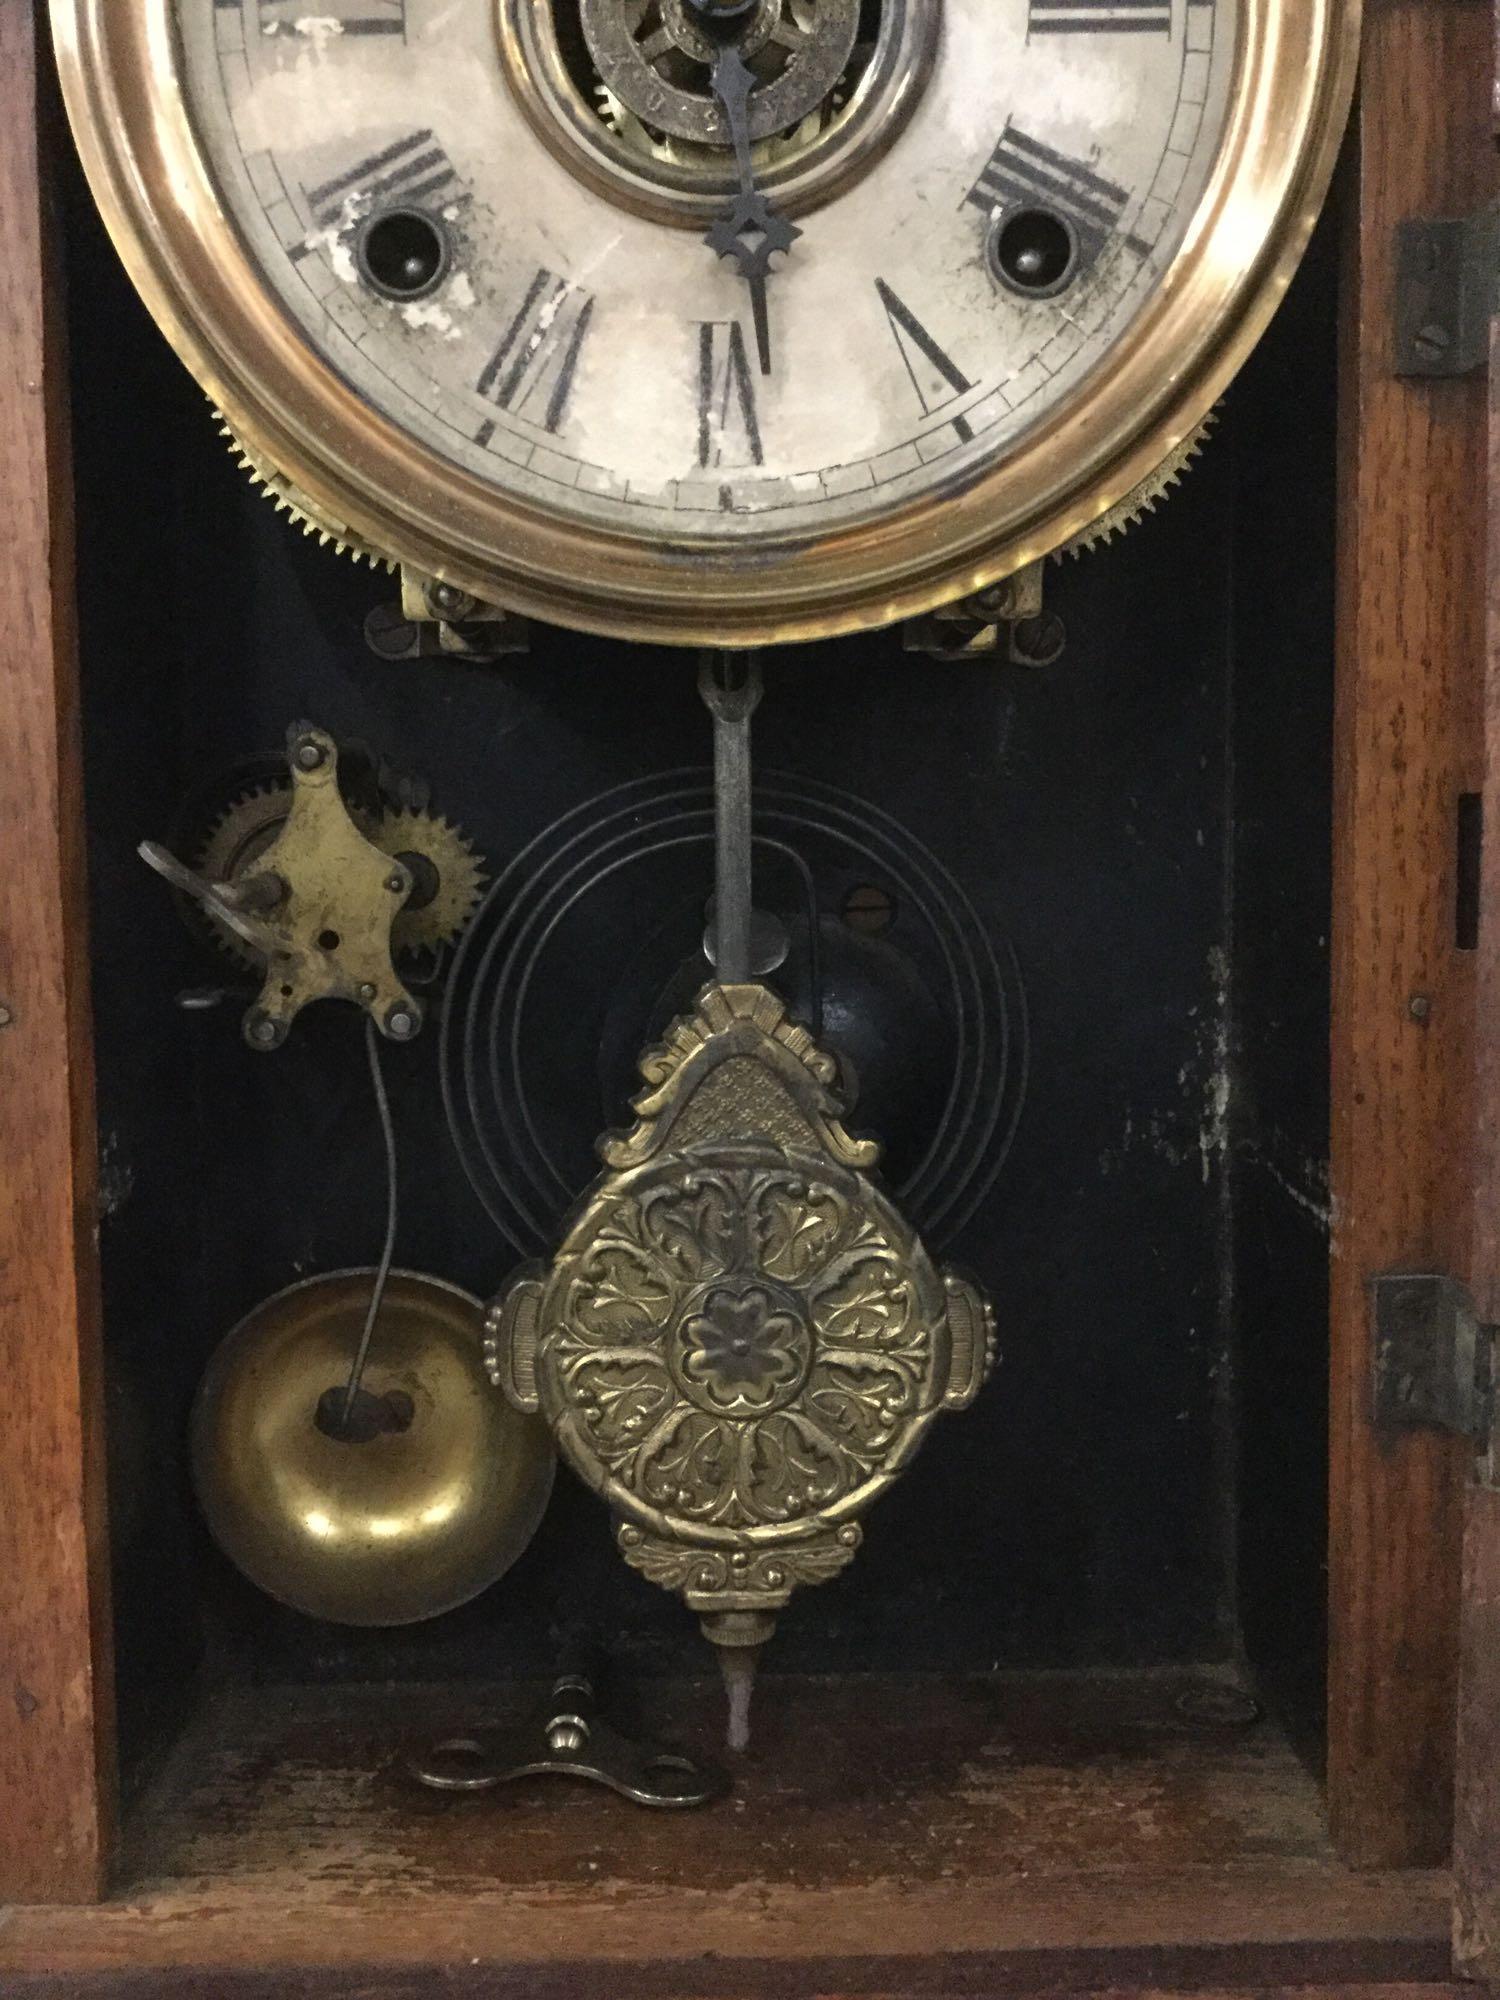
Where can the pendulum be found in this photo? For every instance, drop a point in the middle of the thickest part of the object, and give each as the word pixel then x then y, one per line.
pixel 740 1343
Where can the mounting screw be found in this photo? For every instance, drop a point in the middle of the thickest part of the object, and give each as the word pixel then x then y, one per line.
pixel 1419 1006
pixel 7 1016
pixel 388 635
pixel 1038 642
pixel 402 1023
pixel 397 884
pixel 309 755
pixel 869 909
pixel 567 1735
pixel 447 601
pixel 1432 340
pixel 367 992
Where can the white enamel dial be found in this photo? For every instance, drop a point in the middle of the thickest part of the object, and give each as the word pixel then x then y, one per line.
pixel 600 364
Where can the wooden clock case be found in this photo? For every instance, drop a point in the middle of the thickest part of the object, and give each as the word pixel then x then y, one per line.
pixel 197 1798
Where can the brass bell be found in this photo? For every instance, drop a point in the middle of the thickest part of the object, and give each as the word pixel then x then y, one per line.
pixel 421 1499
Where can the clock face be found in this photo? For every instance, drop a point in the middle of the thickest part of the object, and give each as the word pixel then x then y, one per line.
pixel 535 302
pixel 714 321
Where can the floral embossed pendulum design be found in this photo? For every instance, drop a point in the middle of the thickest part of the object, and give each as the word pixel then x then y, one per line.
pixel 741 1343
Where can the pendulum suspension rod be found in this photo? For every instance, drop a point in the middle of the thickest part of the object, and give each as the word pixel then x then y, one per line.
pixel 730 684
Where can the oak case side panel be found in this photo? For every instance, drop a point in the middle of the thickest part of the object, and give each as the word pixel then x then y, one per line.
pixel 56 1695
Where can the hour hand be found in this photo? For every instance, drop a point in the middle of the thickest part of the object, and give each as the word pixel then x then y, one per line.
pixel 752 231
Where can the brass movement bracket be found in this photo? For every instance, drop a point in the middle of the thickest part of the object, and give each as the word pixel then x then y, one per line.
pixel 317 910
pixel 1009 622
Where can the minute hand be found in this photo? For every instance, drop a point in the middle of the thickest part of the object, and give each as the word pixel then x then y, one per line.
pixel 752 229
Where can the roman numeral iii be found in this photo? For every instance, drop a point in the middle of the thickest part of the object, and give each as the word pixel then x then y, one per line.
pixel 1023 172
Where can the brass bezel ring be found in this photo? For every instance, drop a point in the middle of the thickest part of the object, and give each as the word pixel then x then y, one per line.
pixel 369 481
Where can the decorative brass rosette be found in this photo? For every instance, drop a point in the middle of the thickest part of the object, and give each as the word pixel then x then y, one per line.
pixel 741 1343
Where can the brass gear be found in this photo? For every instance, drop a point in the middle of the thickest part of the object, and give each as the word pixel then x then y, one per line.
pixel 652 145
pixel 289 499
pixel 427 926
pixel 249 826
pixel 1142 499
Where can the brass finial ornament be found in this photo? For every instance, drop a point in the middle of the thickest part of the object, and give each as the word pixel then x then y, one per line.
pixel 741 1343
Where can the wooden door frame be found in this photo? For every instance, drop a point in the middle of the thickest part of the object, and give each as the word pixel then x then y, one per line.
pixel 1408 742
pixel 1476 1837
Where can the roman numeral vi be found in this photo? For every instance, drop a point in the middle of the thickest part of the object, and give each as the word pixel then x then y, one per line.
pixel 728 422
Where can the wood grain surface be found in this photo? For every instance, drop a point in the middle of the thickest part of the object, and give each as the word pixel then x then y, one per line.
pixel 1476 1841
pixel 56 1727
pixel 1408 741
pixel 885 1836
pixel 1476 1836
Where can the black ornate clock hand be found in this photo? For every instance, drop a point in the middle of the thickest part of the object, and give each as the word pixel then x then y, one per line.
pixel 752 229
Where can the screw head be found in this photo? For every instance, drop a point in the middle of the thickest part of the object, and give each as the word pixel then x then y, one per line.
pixel 1038 642
pixel 448 601
pixel 567 1735
pixel 995 603
pixel 7 1017
pixel 1419 1006
pixel 397 884
pixel 402 1023
pixel 869 909
pixel 388 635
pixel 367 992
pixel 1434 339
pixel 262 1032
pixel 309 755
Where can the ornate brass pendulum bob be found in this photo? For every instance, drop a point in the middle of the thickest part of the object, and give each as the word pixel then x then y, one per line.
pixel 741 1343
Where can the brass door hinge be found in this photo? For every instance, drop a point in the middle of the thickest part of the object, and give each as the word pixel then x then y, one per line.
pixel 1433 1355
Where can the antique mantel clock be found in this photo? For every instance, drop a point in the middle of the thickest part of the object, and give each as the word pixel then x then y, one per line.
pixel 723 323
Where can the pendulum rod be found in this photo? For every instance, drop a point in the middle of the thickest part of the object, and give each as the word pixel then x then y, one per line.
pixel 730 684
pixel 731 687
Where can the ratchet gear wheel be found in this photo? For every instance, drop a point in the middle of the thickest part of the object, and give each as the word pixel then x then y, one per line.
pixel 448 875
pixel 1141 500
